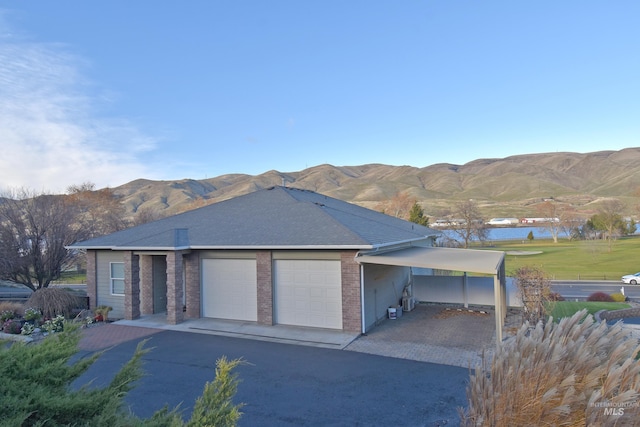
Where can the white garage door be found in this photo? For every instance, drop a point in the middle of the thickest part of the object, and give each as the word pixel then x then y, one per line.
pixel 308 293
pixel 229 289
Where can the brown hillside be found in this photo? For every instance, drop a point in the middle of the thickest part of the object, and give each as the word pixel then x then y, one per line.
pixel 509 186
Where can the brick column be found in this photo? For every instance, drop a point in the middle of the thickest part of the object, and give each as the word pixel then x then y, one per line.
pixel 92 279
pixel 146 284
pixel 265 287
pixel 351 302
pixel 175 314
pixel 131 286
pixel 192 287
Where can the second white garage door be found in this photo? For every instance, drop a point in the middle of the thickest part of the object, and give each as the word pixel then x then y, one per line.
pixel 229 289
pixel 308 293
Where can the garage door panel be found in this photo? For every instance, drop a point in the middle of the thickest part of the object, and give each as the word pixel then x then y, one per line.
pixel 230 289
pixel 308 293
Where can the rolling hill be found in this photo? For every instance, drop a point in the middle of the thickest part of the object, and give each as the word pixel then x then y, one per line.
pixel 510 186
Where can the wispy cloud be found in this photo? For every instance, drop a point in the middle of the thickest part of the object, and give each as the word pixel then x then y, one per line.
pixel 51 134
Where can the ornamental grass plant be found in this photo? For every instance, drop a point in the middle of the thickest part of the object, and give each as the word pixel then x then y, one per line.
pixel 572 373
pixel 53 302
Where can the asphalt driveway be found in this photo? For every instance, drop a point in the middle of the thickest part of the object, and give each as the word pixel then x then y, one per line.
pixel 290 385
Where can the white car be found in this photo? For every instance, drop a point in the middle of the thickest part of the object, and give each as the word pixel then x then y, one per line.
pixel 632 279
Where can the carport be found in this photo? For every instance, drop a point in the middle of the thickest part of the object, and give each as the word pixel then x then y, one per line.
pixel 464 260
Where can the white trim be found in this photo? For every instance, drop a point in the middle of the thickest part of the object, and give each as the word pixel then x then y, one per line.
pixel 111 278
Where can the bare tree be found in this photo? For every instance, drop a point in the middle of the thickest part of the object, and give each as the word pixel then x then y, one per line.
pixel 552 212
pixel 470 223
pixel 34 230
pixel 399 206
pixel 146 215
pixel 100 211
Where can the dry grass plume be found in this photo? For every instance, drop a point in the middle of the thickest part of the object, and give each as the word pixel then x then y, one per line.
pixel 558 374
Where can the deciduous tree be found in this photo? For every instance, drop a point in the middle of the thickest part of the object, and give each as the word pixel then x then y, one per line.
pixel 34 230
pixel 100 211
pixel 470 223
pixel 553 213
pixel 398 206
pixel 610 222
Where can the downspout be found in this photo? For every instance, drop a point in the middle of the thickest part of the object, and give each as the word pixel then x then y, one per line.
pixel 362 297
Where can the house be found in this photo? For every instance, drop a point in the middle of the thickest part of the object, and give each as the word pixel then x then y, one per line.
pixel 275 256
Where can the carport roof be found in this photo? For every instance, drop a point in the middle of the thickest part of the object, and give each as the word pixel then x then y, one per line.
pixel 468 260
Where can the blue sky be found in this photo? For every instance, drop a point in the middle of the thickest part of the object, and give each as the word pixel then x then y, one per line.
pixel 111 91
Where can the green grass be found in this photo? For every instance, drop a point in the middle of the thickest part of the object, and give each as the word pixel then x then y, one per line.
pixel 71 278
pixel 569 308
pixel 575 260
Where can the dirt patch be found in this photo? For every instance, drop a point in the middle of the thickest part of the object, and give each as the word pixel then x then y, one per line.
pixel 451 312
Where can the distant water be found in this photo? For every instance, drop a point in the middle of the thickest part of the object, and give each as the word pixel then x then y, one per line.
pixel 513 233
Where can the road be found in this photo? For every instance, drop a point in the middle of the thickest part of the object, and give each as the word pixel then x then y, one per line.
pixel 570 289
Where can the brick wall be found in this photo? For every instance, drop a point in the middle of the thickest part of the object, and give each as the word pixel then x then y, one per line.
pixel 192 285
pixel 131 286
pixel 146 284
pixel 265 287
pixel 351 302
pixel 175 314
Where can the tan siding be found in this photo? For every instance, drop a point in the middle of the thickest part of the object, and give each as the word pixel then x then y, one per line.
pixel 103 275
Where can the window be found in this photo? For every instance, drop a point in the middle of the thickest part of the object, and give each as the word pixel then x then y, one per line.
pixel 117 278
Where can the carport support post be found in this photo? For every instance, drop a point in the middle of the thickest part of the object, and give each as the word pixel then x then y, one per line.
pixel 465 292
pixel 497 297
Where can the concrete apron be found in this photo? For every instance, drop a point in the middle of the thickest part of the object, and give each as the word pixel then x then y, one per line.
pixel 314 337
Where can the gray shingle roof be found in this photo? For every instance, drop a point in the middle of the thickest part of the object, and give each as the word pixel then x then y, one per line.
pixel 277 217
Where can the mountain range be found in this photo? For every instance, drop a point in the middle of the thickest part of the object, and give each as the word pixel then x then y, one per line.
pixel 510 186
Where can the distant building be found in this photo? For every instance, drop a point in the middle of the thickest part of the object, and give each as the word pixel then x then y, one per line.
pixel 538 220
pixel 503 221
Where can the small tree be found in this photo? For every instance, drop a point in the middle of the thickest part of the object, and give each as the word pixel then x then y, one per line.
pixel 530 236
pixel 534 289
pixel 471 222
pixel 416 214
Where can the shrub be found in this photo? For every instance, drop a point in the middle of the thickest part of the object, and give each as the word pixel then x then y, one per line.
pixel 618 297
pixel 16 307
pixel 27 329
pixel 554 296
pixel 36 389
pixel 32 315
pixel 12 326
pixel 557 374
pixel 54 325
pixel 7 315
pixel 599 297
pixel 54 301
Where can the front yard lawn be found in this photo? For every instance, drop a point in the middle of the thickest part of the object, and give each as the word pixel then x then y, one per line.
pixel 568 308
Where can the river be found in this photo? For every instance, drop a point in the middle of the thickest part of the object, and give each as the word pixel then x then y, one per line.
pixel 512 233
